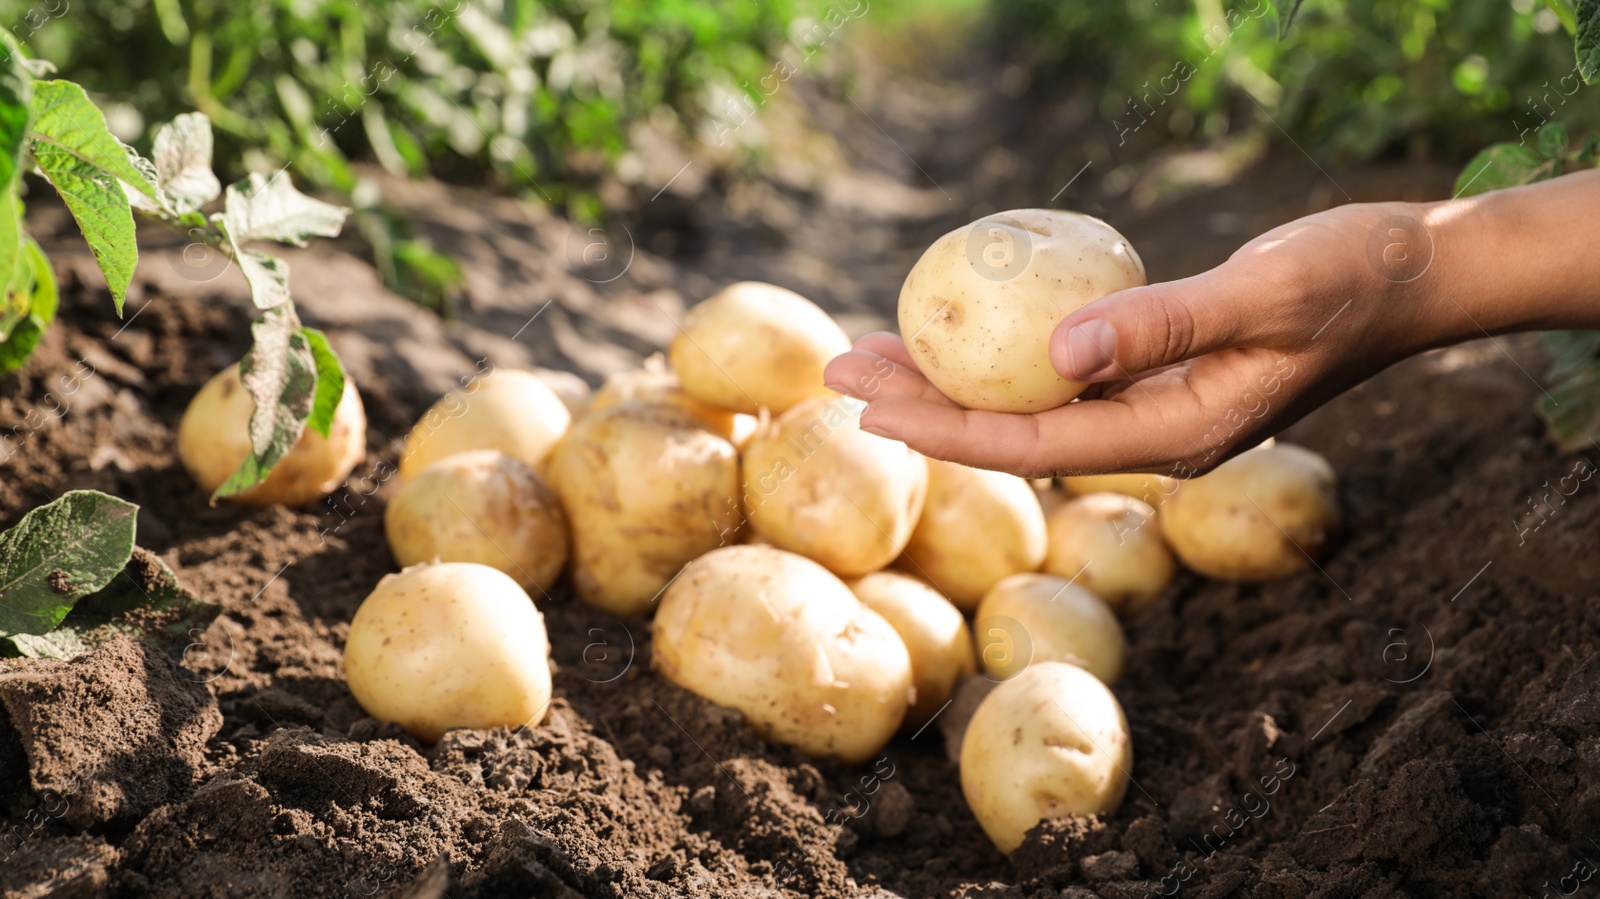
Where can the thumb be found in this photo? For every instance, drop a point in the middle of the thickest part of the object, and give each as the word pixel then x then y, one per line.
pixel 1143 328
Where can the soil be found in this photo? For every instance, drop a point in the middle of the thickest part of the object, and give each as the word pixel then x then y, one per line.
pixel 1418 717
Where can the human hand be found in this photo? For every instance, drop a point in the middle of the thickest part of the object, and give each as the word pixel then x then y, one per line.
pixel 1188 373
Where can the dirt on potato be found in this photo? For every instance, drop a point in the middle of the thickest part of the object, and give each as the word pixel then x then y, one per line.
pixel 1419 716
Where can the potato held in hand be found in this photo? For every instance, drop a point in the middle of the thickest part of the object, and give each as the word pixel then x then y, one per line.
pixel 976 527
pixel 449 645
pixel 933 630
pixel 508 410
pixel 214 438
pixel 1110 545
pixel 1031 618
pixel 484 507
pixel 780 639
pixel 978 308
pixel 1264 514
pixel 1150 489
pixel 1049 743
pixel 645 489
pixel 755 345
pixel 818 485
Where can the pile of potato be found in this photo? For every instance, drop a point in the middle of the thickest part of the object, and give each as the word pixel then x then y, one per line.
pixel 831 585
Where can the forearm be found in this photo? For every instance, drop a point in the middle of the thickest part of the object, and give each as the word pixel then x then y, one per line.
pixel 1519 259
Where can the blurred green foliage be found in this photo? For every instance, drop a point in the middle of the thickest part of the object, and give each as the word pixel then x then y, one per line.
pixel 538 93
pixel 1352 79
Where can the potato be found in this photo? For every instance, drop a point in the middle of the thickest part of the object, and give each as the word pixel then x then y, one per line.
pixel 934 633
pixel 508 410
pixel 1049 743
pixel 976 527
pixel 484 507
pixel 214 439
pixel 818 485
pixel 1150 489
pixel 1264 514
pixel 1031 618
pixel 1110 545
pixel 645 489
pixel 780 639
pixel 656 384
pixel 978 309
pixel 447 645
pixel 573 391
pixel 755 345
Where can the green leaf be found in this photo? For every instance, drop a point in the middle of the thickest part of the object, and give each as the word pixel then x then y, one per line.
pixel 34 286
pixel 1591 148
pixel 1572 410
pixel 1586 40
pixel 262 208
pixel 1500 166
pixel 144 601
pixel 1570 350
pixel 1563 11
pixel 1287 10
pixel 281 375
pixel 16 95
pixel 85 164
pixel 1553 141
pixel 181 152
pixel 58 554
pixel 330 381
pixel 14 304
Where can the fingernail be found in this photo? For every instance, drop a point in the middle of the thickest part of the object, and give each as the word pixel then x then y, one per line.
pixel 876 432
pixel 1089 348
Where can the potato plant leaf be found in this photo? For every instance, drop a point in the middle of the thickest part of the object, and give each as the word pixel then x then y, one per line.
pixel 1553 141
pixel 88 166
pixel 14 304
pixel 268 277
pixel 181 152
pixel 1587 39
pixel 280 373
pixel 1570 350
pixel 1573 408
pixel 16 95
pixel 263 208
pixel 1502 165
pixel 34 285
pixel 144 601
pixel 58 554
pixel 330 381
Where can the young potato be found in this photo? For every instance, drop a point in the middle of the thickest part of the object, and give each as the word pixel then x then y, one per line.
pixel 508 410
pixel 1110 545
pixel 1048 743
pixel 447 645
pixel 976 527
pixel 1264 514
pixel 1031 618
pixel 214 439
pixel 1150 489
pixel 933 630
pixel 818 485
pixel 777 637
pixel 645 489
pixel 655 383
pixel 978 309
pixel 484 507
pixel 573 391
pixel 755 345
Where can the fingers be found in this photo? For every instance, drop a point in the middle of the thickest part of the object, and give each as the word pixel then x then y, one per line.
pixel 869 376
pixel 1136 330
pixel 887 345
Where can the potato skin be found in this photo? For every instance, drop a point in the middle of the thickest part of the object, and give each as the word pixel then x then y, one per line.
pixel 978 309
pixel 1051 742
pixel 484 507
pixel 753 345
pixel 934 632
pixel 777 637
pixel 1263 514
pixel 660 386
pixel 508 410
pixel 645 490
pixel 818 485
pixel 1032 618
pixel 976 527
pixel 214 439
pixel 454 644
pixel 1110 544
pixel 1150 489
